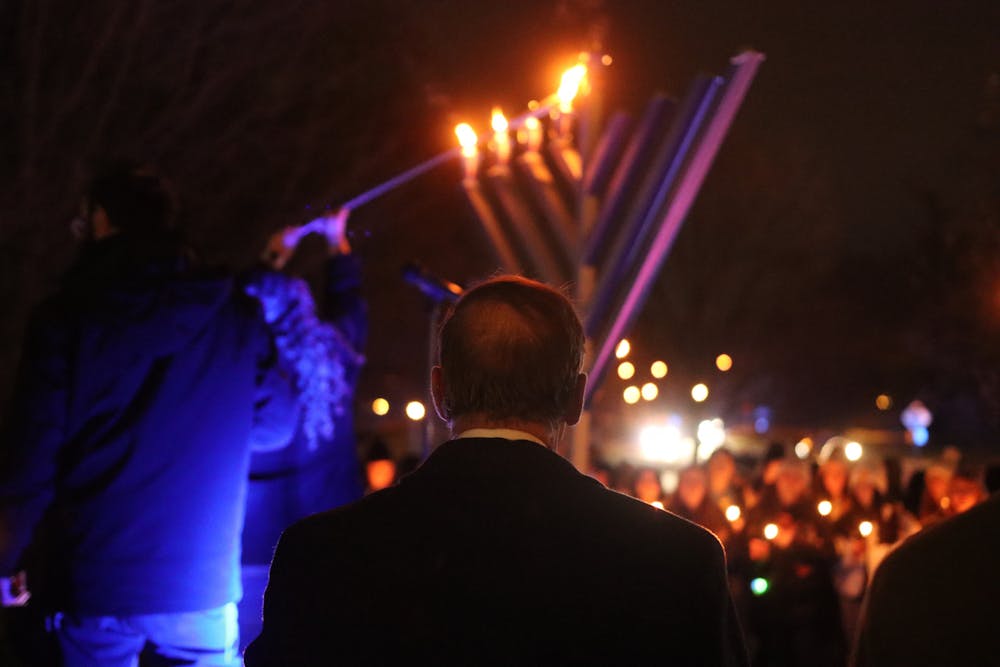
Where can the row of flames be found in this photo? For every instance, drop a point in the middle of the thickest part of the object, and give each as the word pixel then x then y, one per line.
pixel 527 127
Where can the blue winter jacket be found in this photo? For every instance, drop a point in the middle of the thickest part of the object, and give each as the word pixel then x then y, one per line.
pixel 142 388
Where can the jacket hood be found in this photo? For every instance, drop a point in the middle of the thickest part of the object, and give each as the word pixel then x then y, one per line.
pixel 141 298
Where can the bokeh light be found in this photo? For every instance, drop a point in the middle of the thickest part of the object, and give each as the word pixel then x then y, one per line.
pixel 733 513
pixel 631 394
pixel 699 392
pixel 883 402
pixel 825 507
pixel 626 370
pixel 853 451
pixel 711 435
pixel 658 370
pixel 803 447
pixel 771 531
pixel 759 585
pixel 664 443
pixel 723 362
pixel 380 406
pixel 650 391
pixel 415 410
pixel 623 348
pixel 865 528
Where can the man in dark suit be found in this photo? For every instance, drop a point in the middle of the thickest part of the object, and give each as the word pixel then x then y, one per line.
pixel 496 550
pixel 933 600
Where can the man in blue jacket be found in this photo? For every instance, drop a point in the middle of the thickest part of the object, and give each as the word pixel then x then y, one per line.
pixel 144 385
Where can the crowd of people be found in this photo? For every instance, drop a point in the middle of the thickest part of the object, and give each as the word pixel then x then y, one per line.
pixel 804 537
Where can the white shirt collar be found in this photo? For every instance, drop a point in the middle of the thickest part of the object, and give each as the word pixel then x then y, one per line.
pixel 505 433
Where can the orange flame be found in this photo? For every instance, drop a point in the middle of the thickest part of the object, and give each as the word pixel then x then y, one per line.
pixel 467 139
pixel 532 133
pixel 498 122
pixel 569 86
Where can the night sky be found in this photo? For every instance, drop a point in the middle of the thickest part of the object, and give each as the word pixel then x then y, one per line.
pixel 845 243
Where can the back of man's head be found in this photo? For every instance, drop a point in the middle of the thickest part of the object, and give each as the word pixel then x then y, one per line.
pixel 136 198
pixel 510 349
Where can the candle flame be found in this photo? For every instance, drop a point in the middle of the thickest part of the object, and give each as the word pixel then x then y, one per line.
pixel 498 122
pixel 569 86
pixel 531 133
pixel 467 139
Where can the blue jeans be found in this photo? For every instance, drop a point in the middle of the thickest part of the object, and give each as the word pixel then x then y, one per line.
pixel 201 638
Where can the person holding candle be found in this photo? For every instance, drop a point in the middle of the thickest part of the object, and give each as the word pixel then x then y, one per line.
pixel 496 550
pixel 691 502
pixel 320 340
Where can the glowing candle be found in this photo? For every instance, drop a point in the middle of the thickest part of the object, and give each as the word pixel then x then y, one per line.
pixel 569 86
pixel 467 139
pixel 501 140
pixel 531 134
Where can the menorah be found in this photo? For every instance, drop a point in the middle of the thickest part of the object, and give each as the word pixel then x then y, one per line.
pixel 564 203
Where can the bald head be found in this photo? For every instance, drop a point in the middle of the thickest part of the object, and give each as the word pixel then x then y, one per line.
pixel 510 349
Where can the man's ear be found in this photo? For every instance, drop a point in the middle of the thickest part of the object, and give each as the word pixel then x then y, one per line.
pixel 437 394
pixel 575 407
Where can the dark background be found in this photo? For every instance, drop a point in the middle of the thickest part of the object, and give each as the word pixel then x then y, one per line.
pixel 845 243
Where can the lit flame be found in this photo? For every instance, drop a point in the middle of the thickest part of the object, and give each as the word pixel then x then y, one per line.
pixel 466 138
pixel 531 133
pixel 498 122
pixel 569 86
